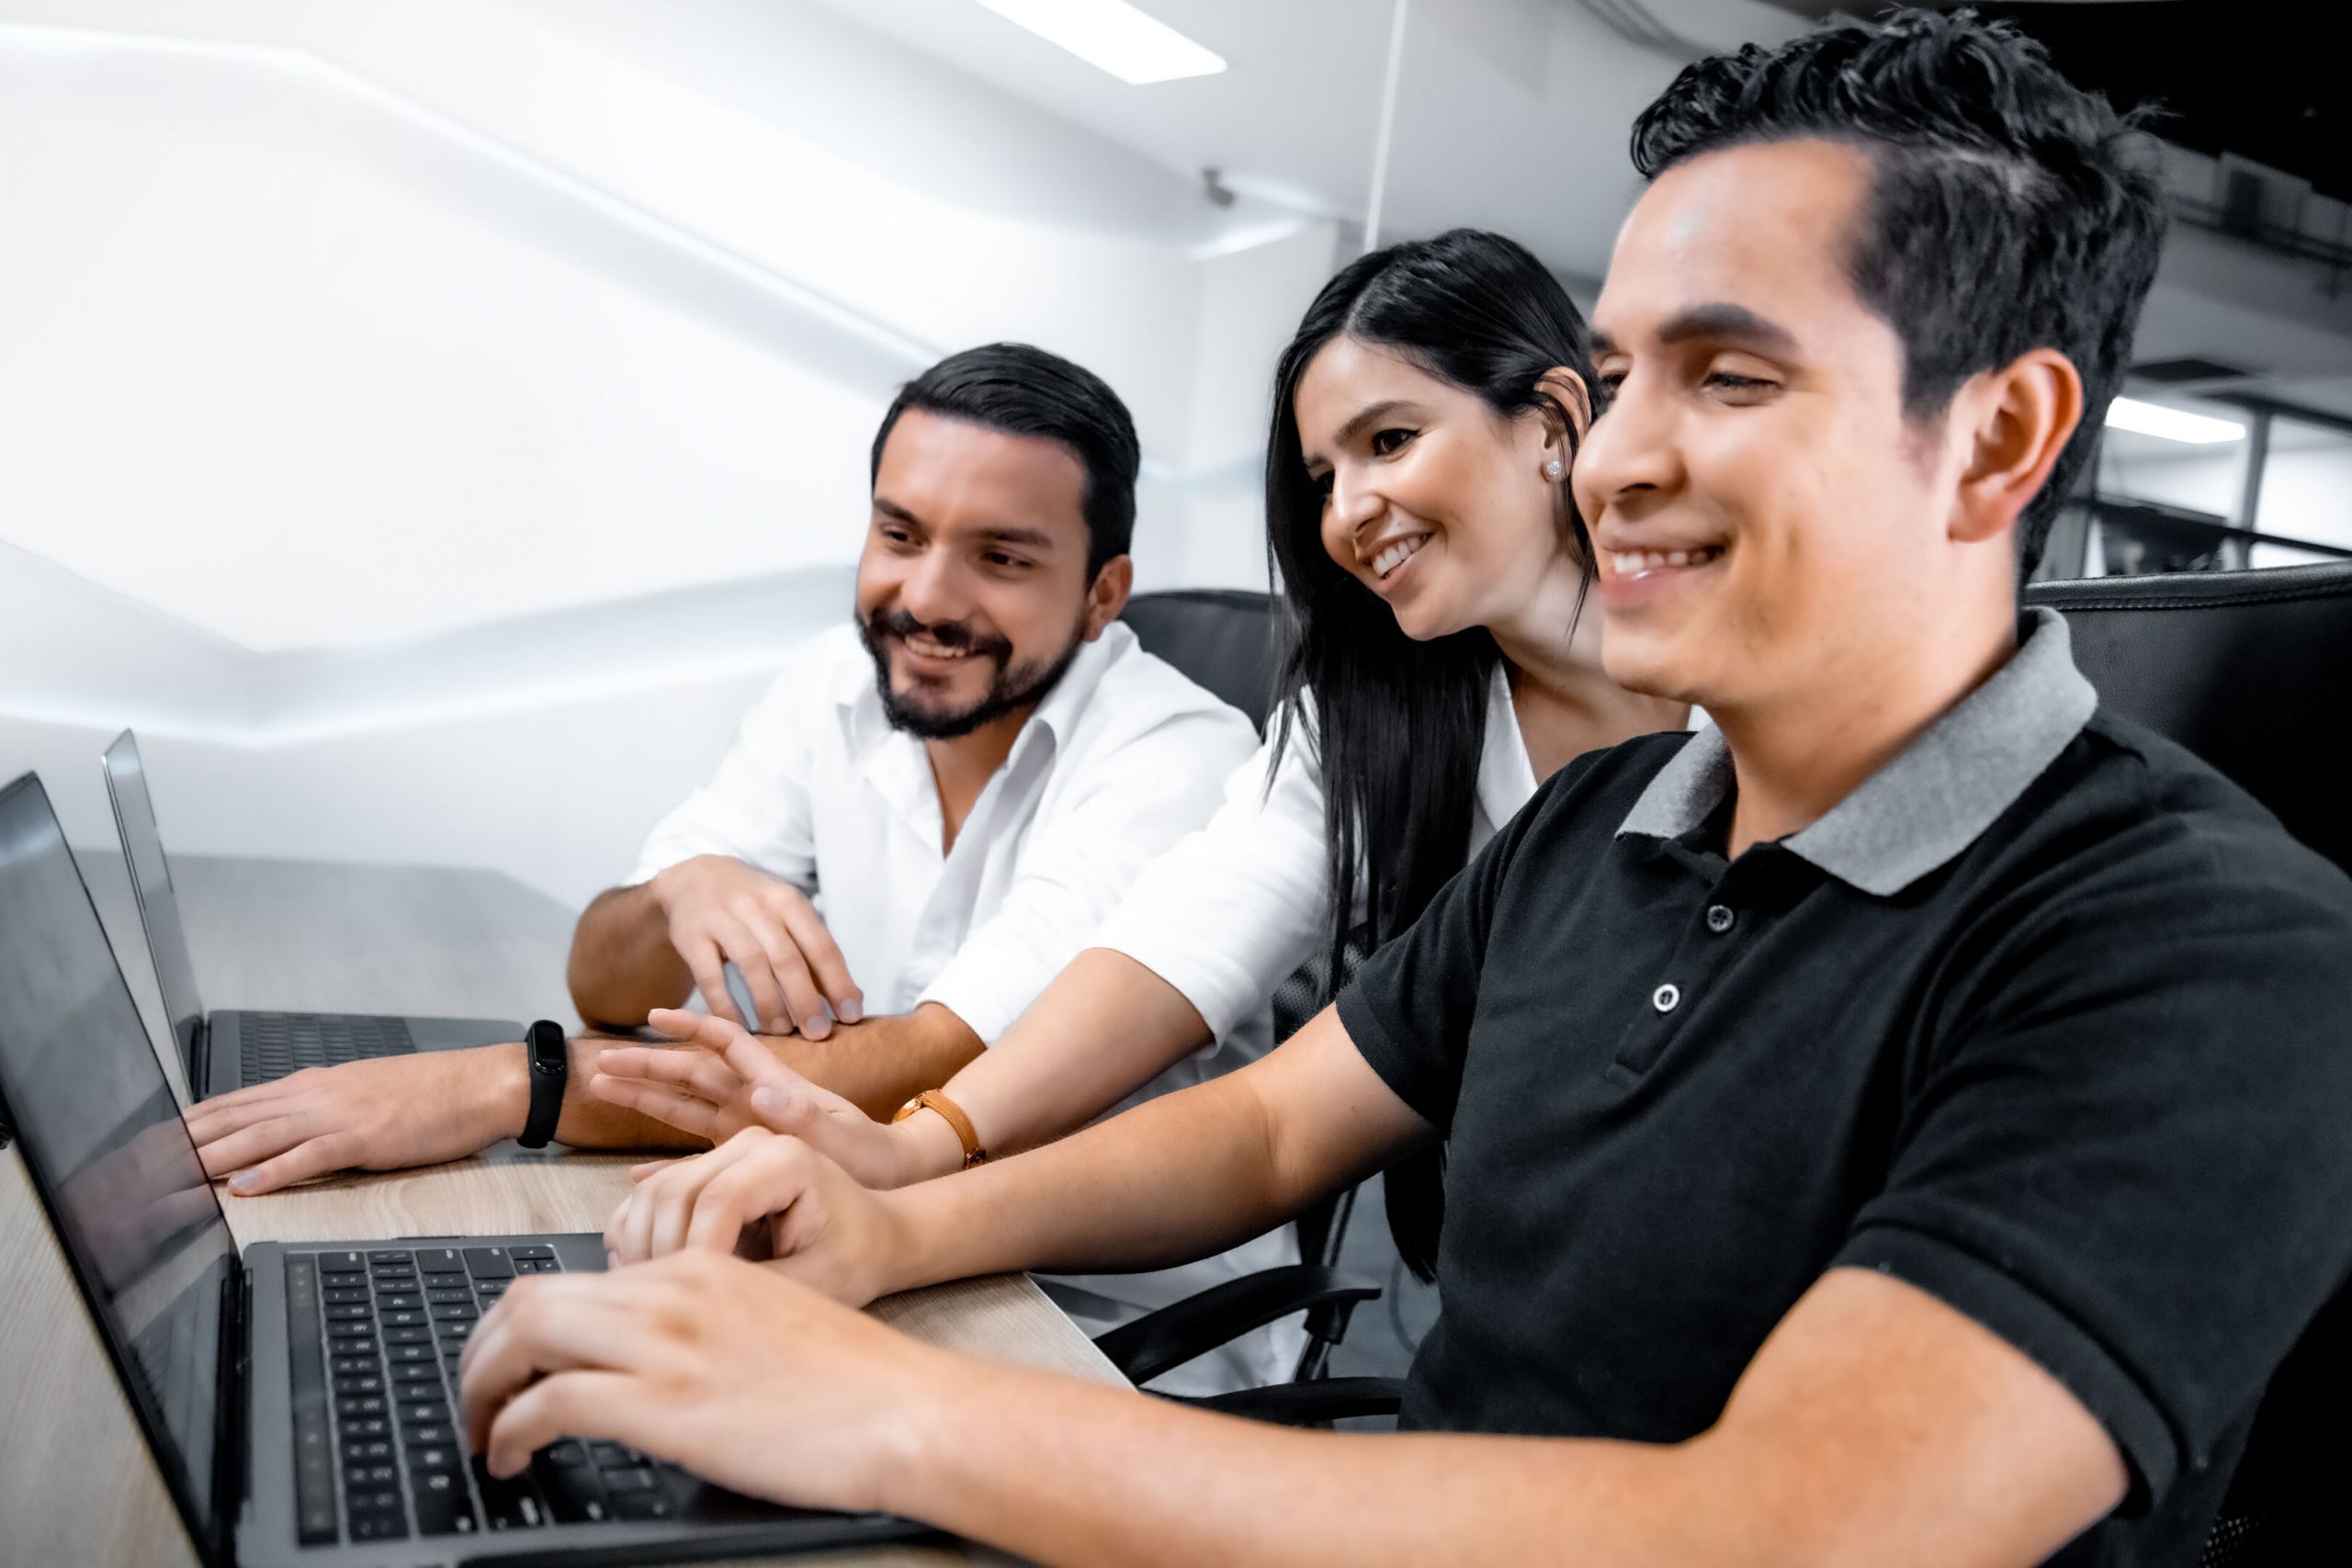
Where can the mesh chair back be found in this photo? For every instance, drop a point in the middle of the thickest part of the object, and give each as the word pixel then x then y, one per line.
pixel 2251 672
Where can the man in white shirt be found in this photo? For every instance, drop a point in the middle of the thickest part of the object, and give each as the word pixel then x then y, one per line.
pixel 919 825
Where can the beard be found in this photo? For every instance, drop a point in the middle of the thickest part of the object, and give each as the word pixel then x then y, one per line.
pixel 1015 686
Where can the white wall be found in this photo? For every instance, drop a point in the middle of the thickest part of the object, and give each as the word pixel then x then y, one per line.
pixel 430 426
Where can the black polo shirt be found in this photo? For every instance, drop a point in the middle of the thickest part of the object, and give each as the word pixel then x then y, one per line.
pixel 2047 1018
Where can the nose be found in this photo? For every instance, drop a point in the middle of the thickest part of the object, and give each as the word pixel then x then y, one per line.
pixel 935 589
pixel 1629 452
pixel 1355 506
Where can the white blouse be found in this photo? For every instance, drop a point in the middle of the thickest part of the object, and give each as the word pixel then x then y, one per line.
pixel 1229 911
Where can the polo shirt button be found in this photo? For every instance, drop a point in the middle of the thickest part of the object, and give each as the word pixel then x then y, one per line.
pixel 1720 919
pixel 1666 999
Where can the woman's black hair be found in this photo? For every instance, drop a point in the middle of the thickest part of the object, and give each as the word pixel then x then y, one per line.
pixel 1399 725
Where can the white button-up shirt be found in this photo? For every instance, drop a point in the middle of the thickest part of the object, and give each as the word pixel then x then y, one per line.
pixel 1123 757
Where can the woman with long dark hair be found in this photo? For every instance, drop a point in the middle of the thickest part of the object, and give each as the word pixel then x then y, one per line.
pixel 1437 667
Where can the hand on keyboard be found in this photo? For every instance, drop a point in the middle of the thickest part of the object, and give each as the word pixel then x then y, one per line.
pixel 726 1368
pixel 380 1115
pixel 768 1197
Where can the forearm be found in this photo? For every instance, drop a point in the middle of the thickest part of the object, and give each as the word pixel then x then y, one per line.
pixel 622 965
pixel 880 1064
pixel 1182 1177
pixel 1105 1027
pixel 1090 1474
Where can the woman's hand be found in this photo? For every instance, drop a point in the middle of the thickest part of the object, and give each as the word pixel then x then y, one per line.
pixel 764 1195
pixel 730 1081
pixel 743 1376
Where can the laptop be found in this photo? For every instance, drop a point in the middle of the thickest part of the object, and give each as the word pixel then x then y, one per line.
pixel 228 1050
pixel 299 1400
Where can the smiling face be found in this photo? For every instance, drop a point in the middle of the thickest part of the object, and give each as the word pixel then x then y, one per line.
pixel 972 591
pixel 1432 500
pixel 1770 524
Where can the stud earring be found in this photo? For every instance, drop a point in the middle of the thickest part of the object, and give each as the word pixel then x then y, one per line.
pixel 1554 469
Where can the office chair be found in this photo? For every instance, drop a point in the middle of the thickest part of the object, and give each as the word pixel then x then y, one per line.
pixel 2251 672
pixel 1225 641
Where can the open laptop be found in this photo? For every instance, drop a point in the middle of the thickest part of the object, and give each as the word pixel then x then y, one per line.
pixel 298 1401
pixel 228 1050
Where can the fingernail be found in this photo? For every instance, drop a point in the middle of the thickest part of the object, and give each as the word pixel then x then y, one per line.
pixel 612 1258
pixel 242 1181
pixel 853 1011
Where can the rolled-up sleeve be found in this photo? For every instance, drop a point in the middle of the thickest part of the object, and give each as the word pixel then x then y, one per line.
pixel 1234 907
pixel 756 807
pixel 1083 859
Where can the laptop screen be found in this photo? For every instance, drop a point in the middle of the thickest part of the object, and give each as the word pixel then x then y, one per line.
pixel 106 1148
pixel 159 908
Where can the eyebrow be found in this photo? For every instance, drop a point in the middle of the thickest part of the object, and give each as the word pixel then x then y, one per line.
pixel 1033 538
pixel 1721 320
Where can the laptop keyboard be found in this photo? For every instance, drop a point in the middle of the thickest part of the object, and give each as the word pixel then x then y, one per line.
pixel 379 1448
pixel 277 1044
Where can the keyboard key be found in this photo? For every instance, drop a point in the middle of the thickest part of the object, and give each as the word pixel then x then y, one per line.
pixel 389 1257
pixel 360 1428
pixel 441 1260
pixel 409 1333
pixel 434 1458
pixel 378 1525
pixel 402 1355
pixel 365 1404
pixel 536 1249
pixel 376 1451
pixel 565 1451
pixel 488 1263
pixel 351 1313
pixel 610 1456
pixel 448 1294
pixel 442 1505
pixel 346 1296
pixel 641 1479
pixel 415 1374
pixel 399 1300
pixel 370 1477
pixel 344 1366
pixel 644 1505
pixel 508 1505
pixel 573 1495
pixel 370 1383
pixel 397 1319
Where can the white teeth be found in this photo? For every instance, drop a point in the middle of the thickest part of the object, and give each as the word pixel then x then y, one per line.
pixel 1632 563
pixel 1397 554
pixel 931 649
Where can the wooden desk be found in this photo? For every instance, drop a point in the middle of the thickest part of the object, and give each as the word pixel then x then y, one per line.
pixel 77 1485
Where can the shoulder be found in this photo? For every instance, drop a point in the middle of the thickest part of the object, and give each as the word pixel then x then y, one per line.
pixel 1137 698
pixel 1596 791
pixel 2128 805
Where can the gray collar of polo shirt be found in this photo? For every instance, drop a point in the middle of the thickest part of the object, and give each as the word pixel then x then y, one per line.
pixel 1942 790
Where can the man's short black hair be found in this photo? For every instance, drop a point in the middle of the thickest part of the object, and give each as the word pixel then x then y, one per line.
pixel 1016 389
pixel 2010 210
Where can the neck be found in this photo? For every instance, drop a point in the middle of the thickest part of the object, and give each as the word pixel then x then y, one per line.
pixel 961 767
pixel 1799 755
pixel 1566 703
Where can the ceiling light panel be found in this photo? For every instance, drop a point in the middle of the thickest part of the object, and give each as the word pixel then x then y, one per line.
pixel 2171 424
pixel 1112 36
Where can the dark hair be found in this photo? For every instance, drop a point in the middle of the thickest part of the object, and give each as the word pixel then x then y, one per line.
pixel 1019 391
pixel 1399 725
pixel 2010 210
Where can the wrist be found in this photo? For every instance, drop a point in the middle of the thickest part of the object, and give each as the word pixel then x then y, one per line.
pixel 503 1095
pixel 931 1429
pixel 925 1145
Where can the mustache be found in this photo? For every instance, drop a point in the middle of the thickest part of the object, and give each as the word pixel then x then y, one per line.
pixel 952 635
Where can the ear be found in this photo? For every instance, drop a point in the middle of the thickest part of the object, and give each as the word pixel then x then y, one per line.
pixel 1567 389
pixel 1107 595
pixel 2019 419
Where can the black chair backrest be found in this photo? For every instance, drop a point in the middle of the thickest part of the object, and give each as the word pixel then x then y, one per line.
pixel 2250 670
pixel 1221 637
pixel 2253 671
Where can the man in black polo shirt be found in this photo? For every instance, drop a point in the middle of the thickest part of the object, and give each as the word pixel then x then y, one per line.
pixel 1905 1124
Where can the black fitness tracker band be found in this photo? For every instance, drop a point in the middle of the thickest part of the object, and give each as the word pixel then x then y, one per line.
pixel 550 1060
